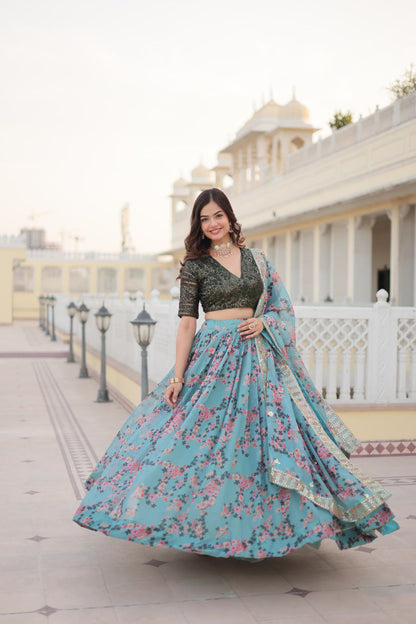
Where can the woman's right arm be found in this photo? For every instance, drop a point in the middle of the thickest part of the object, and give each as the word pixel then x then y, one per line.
pixel 184 340
pixel 188 311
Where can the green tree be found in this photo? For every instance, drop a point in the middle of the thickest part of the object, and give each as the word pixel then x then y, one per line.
pixel 340 120
pixel 404 86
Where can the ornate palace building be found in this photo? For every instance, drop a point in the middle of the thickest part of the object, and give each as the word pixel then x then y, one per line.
pixel 336 216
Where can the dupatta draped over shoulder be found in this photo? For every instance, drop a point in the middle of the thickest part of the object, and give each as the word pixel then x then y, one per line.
pixel 311 457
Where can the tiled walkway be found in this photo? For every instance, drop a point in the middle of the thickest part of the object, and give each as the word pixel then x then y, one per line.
pixel 54 571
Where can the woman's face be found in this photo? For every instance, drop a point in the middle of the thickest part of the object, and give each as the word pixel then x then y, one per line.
pixel 215 223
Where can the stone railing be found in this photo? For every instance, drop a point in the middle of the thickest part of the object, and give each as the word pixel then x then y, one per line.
pixel 12 241
pixel 83 256
pixel 401 111
pixel 355 355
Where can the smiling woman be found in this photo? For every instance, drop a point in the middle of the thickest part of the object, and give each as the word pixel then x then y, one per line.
pixel 234 453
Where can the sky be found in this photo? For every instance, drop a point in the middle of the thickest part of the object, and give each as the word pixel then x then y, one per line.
pixel 107 102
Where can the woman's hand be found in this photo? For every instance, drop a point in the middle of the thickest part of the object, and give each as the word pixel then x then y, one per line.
pixel 250 328
pixel 171 393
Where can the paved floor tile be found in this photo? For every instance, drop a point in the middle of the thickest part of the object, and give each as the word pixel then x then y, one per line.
pixel 169 613
pixel 67 588
pixel 141 592
pixel 246 584
pixel 349 602
pixel 392 598
pixel 84 616
pixel 22 618
pixel 225 611
pixel 267 606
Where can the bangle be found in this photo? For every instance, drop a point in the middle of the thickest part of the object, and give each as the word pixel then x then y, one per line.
pixel 177 380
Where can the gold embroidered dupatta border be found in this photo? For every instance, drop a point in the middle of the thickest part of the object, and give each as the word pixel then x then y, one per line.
pixel 378 494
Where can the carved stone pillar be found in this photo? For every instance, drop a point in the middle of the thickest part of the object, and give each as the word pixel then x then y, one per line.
pixel 325 273
pixel 362 293
pixel 394 216
pixel 406 290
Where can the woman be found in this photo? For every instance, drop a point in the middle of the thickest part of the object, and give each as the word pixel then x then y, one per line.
pixel 234 453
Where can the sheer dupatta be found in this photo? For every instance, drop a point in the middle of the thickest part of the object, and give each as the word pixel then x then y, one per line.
pixel 276 311
pixel 314 458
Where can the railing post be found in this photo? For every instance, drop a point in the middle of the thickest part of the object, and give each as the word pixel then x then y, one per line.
pixel 382 360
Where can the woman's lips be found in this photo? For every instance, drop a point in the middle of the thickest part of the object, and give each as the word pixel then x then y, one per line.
pixel 215 231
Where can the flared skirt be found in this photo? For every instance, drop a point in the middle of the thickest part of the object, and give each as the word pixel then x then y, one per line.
pixel 197 477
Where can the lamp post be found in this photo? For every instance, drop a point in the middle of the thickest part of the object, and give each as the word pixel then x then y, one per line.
pixel 47 332
pixel 52 300
pixel 44 312
pixel 144 327
pixel 71 309
pixel 83 317
pixel 40 311
pixel 102 318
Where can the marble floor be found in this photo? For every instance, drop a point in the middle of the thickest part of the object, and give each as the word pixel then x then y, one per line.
pixel 53 571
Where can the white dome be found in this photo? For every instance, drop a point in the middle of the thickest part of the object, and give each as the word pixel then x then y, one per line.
pixel 200 170
pixel 201 174
pixel 180 183
pixel 295 110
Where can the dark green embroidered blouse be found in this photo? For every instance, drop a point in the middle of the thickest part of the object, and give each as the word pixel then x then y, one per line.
pixel 207 280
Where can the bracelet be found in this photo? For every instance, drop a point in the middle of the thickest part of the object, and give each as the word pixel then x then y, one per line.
pixel 177 380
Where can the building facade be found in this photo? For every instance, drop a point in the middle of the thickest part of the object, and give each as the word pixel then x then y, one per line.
pixel 25 274
pixel 335 216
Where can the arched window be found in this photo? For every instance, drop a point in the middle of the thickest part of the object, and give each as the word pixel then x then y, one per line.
pixel 79 279
pixel 227 181
pixel 180 205
pixel 107 280
pixel 51 279
pixel 296 143
pixel 23 279
pixel 134 279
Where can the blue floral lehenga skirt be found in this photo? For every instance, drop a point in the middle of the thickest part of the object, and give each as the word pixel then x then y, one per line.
pixel 196 477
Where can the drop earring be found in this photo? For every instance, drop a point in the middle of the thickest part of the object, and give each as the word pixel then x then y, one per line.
pixel 203 235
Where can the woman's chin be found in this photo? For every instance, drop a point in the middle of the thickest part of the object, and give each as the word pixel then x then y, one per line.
pixel 218 239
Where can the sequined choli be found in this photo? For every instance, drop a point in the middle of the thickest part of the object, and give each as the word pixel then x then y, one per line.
pixel 206 280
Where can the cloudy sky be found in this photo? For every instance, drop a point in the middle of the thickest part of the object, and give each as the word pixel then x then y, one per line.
pixel 104 102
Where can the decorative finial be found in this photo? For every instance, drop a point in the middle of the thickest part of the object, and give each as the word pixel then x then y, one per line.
pixel 293 93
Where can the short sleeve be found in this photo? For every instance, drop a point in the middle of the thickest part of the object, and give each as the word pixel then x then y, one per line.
pixel 189 297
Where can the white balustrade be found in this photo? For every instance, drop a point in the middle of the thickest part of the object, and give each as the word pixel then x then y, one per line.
pixel 355 355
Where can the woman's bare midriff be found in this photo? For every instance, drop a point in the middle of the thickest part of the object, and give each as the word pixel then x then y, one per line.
pixel 229 313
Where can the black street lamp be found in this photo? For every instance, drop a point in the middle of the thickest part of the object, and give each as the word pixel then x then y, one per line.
pixel 102 318
pixel 144 327
pixel 71 309
pixel 47 332
pixel 52 300
pixel 83 317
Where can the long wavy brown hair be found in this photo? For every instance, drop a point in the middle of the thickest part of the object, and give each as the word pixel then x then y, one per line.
pixel 195 245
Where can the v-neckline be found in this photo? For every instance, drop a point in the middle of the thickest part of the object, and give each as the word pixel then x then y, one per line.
pixel 228 270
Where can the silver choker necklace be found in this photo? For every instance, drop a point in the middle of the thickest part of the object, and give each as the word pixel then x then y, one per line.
pixel 224 249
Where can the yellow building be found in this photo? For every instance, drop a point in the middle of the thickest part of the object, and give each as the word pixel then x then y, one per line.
pixel 25 274
pixel 12 253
